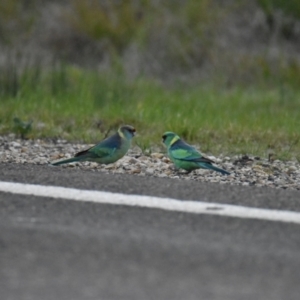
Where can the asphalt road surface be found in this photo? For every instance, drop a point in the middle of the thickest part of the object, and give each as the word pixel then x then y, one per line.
pixel 61 249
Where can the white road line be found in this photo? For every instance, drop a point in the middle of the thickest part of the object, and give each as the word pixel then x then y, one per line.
pixel 195 207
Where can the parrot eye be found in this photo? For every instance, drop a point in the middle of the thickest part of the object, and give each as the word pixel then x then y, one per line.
pixel 164 137
pixel 132 131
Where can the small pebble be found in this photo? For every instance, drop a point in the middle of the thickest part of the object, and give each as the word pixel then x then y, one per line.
pixel 245 170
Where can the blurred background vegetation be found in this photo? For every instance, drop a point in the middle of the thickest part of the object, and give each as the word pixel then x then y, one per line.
pixel 224 74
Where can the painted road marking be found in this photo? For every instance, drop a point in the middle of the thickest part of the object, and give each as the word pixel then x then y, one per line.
pixel 194 207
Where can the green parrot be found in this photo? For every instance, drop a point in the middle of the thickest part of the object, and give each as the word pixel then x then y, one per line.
pixel 185 156
pixel 107 151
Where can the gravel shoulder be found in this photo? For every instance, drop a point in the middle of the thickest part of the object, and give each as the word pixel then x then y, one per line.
pixel 245 170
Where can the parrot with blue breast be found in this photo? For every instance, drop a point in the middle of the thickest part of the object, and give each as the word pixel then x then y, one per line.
pixel 107 151
pixel 186 157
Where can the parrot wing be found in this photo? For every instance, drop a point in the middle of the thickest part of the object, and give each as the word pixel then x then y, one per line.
pixel 97 152
pixel 104 148
pixel 182 151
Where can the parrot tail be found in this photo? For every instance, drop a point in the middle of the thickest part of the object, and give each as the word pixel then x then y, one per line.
pixel 212 167
pixel 65 161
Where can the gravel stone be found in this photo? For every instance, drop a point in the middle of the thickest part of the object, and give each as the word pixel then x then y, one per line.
pixel 245 170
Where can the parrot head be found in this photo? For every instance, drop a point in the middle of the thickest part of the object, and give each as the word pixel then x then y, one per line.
pixel 127 131
pixel 169 138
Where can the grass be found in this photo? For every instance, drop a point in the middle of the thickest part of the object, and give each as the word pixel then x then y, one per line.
pixel 16 19
pixel 291 7
pixel 118 22
pixel 79 105
pixel 83 106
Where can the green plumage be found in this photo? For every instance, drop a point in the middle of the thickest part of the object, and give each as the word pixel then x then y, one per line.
pixel 186 157
pixel 107 151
